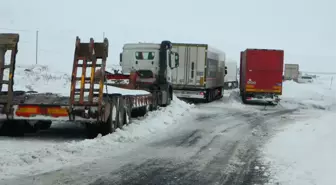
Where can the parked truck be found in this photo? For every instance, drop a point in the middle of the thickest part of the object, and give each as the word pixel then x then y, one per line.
pixel 93 100
pixel 200 75
pixel 291 72
pixel 261 75
pixel 231 78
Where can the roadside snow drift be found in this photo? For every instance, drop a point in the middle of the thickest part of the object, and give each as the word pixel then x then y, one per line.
pixel 24 156
pixel 304 153
pixel 321 94
pixel 42 157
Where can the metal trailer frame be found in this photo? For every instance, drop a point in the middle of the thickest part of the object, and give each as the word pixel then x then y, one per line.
pixel 101 112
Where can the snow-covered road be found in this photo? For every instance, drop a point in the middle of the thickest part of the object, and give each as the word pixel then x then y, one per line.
pixel 221 142
pixel 212 143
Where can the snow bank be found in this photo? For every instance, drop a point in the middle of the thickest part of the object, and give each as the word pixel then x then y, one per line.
pixel 304 153
pixel 42 79
pixel 319 94
pixel 42 157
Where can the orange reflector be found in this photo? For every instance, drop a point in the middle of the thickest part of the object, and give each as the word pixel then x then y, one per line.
pixel 57 111
pixel 29 111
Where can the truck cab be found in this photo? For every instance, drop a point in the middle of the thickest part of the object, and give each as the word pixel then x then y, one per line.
pixel 153 64
pixel 150 60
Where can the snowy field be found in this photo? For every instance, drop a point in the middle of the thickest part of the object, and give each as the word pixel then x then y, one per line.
pixel 303 153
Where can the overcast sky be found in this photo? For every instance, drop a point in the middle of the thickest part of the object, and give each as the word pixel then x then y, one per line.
pixel 305 29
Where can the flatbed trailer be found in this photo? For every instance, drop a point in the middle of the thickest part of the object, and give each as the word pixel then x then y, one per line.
pixel 89 101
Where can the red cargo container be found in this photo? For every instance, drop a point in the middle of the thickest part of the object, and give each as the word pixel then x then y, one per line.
pixel 261 74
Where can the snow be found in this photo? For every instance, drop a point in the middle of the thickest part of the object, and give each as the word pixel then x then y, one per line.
pixel 303 153
pixel 29 156
pixel 319 94
pixel 42 79
pixel 19 157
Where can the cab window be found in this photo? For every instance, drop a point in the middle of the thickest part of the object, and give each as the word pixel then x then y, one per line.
pixel 144 55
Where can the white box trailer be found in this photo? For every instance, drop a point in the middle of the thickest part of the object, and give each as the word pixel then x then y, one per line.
pixel 231 78
pixel 291 72
pixel 201 72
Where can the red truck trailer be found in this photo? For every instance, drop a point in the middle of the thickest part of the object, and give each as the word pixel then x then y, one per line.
pixel 261 75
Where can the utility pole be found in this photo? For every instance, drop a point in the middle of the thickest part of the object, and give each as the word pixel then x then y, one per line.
pixel 36 49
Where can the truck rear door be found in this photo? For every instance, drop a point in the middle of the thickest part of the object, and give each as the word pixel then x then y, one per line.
pixel 192 62
pixel 264 70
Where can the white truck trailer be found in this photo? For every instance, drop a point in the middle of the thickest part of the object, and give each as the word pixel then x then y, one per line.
pixel 231 78
pixel 291 72
pixel 201 71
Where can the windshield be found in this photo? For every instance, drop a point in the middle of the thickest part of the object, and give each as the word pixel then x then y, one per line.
pixel 144 55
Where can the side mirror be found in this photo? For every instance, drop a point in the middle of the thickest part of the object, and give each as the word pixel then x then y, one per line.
pixel 120 57
pixel 177 60
pixel 225 70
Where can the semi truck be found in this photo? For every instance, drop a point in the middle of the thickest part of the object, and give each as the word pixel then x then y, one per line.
pixel 231 78
pixel 200 75
pixel 261 75
pixel 93 99
pixel 291 72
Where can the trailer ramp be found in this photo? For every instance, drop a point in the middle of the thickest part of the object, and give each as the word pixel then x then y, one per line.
pixel 8 42
pixel 89 57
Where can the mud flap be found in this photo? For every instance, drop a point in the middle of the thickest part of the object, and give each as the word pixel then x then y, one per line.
pixel 128 110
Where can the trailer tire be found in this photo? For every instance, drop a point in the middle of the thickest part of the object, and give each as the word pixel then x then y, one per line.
pixel 120 113
pixel 92 130
pixel 14 128
pixel 243 96
pixel 126 118
pixel 154 103
pixel 111 123
pixel 44 125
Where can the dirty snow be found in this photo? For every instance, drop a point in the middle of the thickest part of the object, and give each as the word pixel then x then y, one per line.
pixel 303 153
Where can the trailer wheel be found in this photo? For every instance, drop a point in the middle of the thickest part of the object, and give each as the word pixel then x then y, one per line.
pixel 92 130
pixel 126 118
pixel 44 125
pixel 120 115
pixel 14 128
pixel 154 104
pixel 112 120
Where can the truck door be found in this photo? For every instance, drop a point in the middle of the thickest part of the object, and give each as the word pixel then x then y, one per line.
pixel 179 74
pixel 170 64
pixel 192 64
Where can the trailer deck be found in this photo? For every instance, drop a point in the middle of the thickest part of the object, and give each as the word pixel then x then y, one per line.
pixel 91 100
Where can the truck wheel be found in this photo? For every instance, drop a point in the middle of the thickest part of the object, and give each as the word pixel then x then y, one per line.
pixel 244 98
pixel 111 124
pixel 126 118
pixel 44 125
pixel 14 128
pixel 120 114
pixel 169 98
pixel 92 130
pixel 154 104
